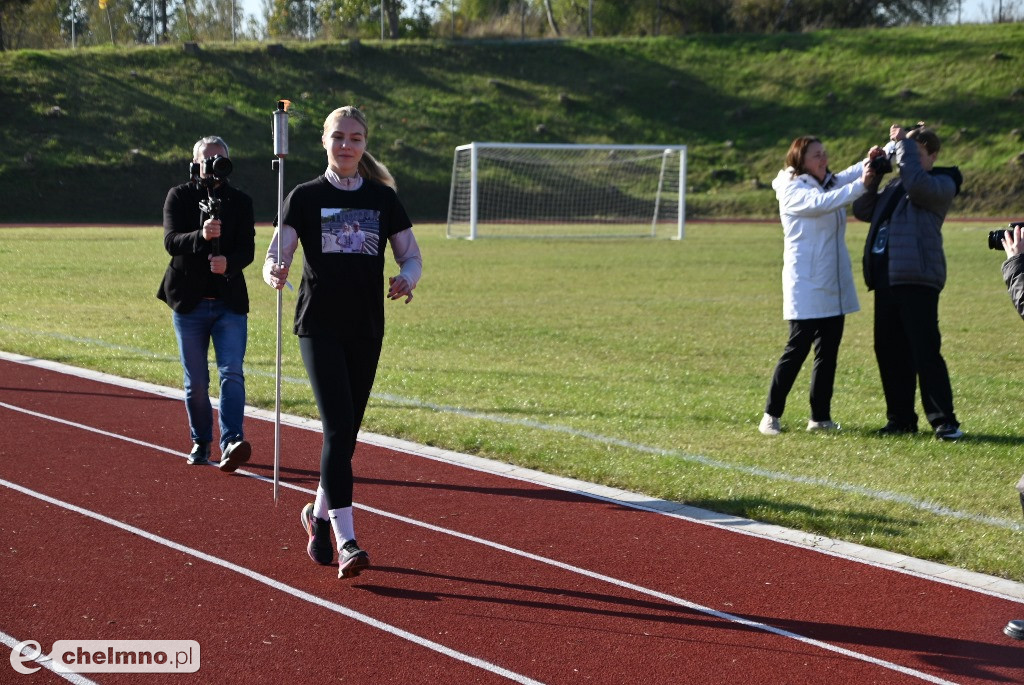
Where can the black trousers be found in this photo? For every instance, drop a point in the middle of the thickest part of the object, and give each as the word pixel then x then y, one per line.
pixel 908 349
pixel 341 375
pixel 825 334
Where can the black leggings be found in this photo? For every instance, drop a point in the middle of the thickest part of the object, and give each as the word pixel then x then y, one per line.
pixel 825 334
pixel 341 374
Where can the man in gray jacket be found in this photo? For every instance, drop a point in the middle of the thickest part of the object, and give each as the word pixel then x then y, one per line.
pixel 905 265
pixel 1013 275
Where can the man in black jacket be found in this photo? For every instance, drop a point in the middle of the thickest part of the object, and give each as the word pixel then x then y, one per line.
pixel 904 263
pixel 210 245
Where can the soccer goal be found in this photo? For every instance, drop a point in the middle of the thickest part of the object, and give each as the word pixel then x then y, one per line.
pixel 559 191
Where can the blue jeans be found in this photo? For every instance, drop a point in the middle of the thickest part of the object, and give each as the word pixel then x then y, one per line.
pixel 213 320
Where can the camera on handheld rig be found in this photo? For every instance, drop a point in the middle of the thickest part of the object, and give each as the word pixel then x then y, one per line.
pixel 995 238
pixel 207 174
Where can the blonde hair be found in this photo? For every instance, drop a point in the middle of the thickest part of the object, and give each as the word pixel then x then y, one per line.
pixel 369 167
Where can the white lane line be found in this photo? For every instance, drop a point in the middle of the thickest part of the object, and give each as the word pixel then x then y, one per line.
pixel 277 585
pixel 463 536
pixel 44 660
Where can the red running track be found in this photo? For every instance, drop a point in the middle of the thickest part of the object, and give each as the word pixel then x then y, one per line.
pixel 477 577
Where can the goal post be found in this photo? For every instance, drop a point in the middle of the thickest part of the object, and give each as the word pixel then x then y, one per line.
pixel 561 191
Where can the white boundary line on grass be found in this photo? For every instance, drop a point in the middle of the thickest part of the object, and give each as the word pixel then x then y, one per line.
pixel 756 471
pixel 970 580
pixel 394 630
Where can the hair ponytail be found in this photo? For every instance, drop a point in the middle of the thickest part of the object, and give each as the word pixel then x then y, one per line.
pixel 371 169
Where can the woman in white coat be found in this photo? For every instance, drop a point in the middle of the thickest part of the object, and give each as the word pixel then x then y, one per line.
pixel 817 279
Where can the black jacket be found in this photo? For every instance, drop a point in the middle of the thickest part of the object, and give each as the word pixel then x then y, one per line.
pixel 188 278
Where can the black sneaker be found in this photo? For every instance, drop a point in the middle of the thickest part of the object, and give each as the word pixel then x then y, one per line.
pixel 893 428
pixel 949 431
pixel 352 560
pixel 234 455
pixel 200 455
pixel 319 532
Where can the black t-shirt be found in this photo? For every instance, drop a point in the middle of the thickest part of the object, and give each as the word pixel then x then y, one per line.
pixel 343 234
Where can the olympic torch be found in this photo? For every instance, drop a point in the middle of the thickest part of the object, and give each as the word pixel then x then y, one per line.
pixel 280 152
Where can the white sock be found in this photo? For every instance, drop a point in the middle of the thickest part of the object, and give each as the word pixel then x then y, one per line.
pixel 344 529
pixel 320 504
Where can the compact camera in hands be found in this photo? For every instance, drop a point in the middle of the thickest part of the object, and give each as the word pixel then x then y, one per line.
pixel 995 238
pixel 883 163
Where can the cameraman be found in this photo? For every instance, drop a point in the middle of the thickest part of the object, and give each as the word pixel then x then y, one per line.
pixel 1013 267
pixel 1013 275
pixel 904 263
pixel 205 288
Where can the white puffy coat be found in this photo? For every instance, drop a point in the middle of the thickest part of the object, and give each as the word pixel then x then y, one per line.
pixel 817 279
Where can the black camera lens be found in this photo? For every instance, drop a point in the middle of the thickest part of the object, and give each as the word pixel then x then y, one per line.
pixel 995 238
pixel 217 166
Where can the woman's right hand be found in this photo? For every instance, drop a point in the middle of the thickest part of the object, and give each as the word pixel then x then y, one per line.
pixel 867 175
pixel 274 274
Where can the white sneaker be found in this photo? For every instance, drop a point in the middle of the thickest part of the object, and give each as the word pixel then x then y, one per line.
pixel 822 426
pixel 770 425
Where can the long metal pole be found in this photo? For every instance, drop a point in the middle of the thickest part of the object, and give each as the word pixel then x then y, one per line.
pixel 280 151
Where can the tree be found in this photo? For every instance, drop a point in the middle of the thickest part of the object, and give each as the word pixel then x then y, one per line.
pixel 550 13
pixel 9 10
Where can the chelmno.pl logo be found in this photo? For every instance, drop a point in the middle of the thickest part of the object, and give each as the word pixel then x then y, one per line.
pixel 109 656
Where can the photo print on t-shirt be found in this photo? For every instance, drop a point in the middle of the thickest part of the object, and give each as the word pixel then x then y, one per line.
pixel 349 231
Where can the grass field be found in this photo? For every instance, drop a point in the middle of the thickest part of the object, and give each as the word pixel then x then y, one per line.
pixel 100 133
pixel 642 364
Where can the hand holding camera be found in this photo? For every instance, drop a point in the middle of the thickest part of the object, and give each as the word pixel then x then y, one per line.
pixel 1010 239
pixel 881 164
pixel 211 228
pixel 208 174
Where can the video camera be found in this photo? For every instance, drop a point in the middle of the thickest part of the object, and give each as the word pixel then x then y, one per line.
pixel 210 171
pixel 207 174
pixel 995 238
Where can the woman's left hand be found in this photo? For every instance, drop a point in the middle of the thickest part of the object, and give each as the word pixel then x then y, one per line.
pixel 398 288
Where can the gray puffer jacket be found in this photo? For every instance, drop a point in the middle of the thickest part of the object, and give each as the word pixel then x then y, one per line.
pixel 915 253
pixel 1013 274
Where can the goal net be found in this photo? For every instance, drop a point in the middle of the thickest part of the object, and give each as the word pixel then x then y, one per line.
pixel 551 191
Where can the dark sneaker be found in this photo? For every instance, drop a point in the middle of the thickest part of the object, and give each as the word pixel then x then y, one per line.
pixel 949 431
pixel 319 532
pixel 352 560
pixel 200 455
pixel 893 428
pixel 234 455
pixel 1015 629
